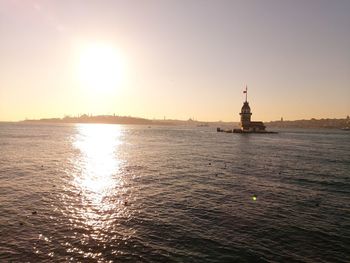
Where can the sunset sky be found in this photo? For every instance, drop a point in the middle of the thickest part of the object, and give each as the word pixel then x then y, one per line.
pixel 177 59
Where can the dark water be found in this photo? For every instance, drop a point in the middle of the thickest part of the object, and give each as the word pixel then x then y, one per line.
pixel 109 193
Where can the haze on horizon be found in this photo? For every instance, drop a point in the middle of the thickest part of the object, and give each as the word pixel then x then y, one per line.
pixel 177 59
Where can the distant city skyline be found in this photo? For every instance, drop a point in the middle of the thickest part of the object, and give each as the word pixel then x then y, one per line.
pixel 179 59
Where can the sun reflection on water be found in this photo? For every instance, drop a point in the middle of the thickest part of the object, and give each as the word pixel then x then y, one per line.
pixel 97 181
pixel 98 147
pixel 97 193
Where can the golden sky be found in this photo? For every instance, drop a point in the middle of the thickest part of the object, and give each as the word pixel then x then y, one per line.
pixel 177 59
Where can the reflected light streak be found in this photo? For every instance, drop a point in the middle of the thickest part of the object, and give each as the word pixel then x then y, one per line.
pixel 97 182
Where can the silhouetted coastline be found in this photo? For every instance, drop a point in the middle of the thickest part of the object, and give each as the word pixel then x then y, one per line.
pixel 106 119
pixel 113 119
pixel 312 124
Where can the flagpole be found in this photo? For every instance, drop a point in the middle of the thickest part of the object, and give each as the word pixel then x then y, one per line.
pixel 246 93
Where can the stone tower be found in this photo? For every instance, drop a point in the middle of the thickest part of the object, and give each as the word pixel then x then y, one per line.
pixel 248 126
pixel 245 116
pixel 245 113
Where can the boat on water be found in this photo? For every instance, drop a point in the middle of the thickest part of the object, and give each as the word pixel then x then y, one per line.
pixel 203 125
pixel 347 124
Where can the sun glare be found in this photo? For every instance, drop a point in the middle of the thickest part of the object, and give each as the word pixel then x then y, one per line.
pixel 99 68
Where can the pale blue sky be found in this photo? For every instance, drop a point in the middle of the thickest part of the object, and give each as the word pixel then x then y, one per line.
pixel 182 58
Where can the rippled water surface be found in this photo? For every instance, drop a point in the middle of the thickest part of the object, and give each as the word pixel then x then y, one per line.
pixel 110 193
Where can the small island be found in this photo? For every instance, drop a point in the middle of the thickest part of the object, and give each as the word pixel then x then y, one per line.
pixel 246 125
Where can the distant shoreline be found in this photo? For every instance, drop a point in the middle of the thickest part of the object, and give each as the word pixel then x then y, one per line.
pixel 112 119
pixel 311 124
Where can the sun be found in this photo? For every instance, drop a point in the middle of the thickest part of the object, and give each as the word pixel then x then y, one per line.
pixel 99 68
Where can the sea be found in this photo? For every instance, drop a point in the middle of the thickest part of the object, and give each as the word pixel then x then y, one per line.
pixel 123 193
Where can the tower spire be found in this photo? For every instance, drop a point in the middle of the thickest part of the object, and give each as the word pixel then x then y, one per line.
pixel 246 93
